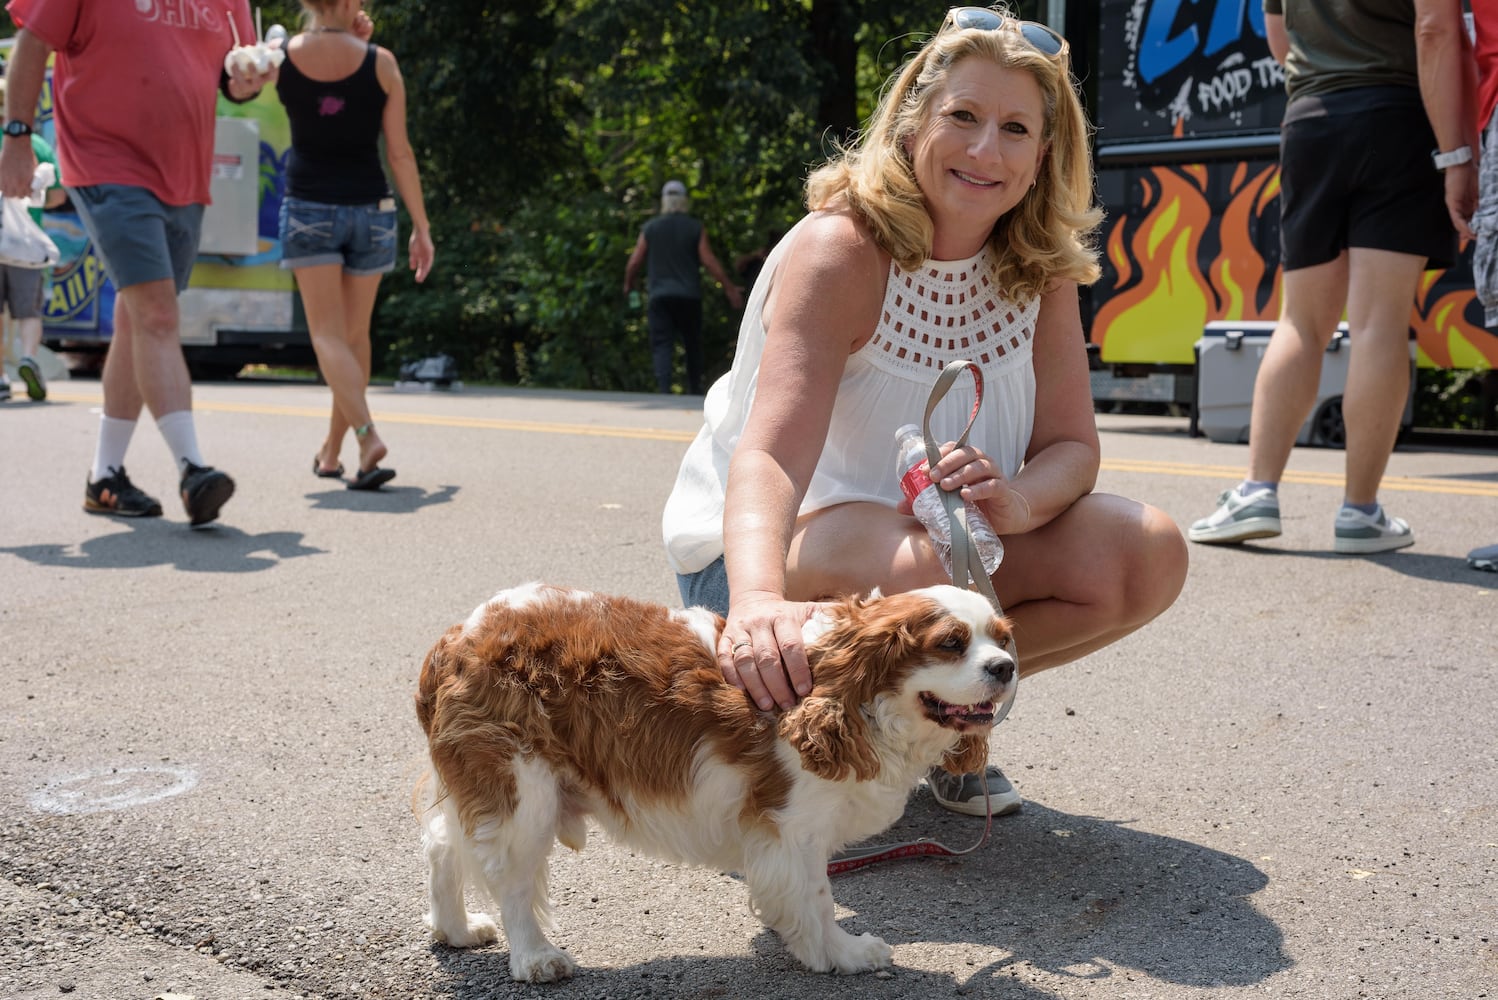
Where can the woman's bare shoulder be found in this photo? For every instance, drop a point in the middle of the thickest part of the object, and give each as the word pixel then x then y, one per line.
pixel 387 70
pixel 836 239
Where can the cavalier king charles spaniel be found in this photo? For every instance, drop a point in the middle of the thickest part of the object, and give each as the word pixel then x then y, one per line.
pixel 551 706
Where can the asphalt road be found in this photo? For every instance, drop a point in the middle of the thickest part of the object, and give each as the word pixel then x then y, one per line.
pixel 1284 787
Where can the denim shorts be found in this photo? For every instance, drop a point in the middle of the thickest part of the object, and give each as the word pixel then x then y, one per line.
pixel 706 588
pixel 137 236
pixel 360 237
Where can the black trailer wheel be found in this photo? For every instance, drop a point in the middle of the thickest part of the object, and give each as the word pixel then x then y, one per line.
pixel 1327 428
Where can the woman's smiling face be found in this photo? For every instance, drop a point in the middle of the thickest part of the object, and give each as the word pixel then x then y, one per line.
pixel 978 152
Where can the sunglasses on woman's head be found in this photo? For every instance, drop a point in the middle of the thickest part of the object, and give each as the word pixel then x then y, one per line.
pixel 1040 37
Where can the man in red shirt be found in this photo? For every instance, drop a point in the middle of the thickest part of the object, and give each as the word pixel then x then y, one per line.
pixel 135 89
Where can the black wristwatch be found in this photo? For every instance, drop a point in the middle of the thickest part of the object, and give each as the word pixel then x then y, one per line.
pixel 16 129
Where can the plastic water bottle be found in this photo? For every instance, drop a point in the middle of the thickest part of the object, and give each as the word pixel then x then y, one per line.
pixel 926 504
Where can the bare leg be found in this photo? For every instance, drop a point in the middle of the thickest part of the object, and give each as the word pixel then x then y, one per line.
pixel 1100 570
pixel 29 331
pixel 1285 389
pixel 1381 293
pixel 326 295
pixel 154 337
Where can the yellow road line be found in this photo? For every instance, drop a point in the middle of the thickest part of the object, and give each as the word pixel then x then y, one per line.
pixel 427 420
pixel 1405 484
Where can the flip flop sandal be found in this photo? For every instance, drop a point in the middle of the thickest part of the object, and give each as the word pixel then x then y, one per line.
pixel 371 479
pixel 321 473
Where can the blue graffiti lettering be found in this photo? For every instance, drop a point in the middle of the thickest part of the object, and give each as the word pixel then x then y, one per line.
pixel 1160 51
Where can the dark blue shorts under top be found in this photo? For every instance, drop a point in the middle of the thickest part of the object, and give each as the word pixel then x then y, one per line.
pixel 360 237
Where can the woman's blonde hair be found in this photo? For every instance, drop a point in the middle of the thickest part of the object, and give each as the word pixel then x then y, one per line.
pixel 1047 236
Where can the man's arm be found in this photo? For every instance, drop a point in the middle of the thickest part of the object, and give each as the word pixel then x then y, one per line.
pixel 23 85
pixel 633 267
pixel 1440 43
pixel 710 261
pixel 1277 37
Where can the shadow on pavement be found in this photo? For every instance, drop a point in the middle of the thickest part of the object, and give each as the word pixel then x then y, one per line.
pixel 386 500
pixel 1413 564
pixel 217 548
pixel 1067 896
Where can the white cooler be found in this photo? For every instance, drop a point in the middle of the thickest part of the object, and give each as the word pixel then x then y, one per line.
pixel 1227 361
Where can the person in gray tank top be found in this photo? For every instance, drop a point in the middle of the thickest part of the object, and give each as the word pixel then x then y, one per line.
pixel 674 247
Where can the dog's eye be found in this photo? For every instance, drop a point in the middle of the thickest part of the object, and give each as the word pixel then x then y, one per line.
pixel 954 643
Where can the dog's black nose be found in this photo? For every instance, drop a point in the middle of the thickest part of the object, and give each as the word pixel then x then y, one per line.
pixel 1001 670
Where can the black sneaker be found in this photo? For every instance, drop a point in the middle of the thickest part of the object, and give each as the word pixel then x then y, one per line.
pixel 116 494
pixel 204 491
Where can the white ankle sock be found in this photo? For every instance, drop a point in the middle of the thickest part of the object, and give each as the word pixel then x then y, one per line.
pixel 181 437
pixel 109 451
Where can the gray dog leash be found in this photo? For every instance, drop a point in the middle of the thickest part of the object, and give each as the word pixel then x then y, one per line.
pixel 967 569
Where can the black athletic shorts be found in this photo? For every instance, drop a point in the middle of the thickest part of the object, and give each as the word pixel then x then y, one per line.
pixel 1355 171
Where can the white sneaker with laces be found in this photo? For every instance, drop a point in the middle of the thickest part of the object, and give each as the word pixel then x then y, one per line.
pixel 1238 518
pixel 1359 534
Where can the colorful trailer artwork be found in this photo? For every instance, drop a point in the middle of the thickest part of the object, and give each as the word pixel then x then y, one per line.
pixel 1188 110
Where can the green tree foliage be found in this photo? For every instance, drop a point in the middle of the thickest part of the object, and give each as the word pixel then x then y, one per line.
pixel 546 131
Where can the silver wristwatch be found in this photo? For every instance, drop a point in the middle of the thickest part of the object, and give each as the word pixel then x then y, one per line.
pixel 1458 156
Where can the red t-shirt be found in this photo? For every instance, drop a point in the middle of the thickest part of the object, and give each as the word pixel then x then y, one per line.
pixel 135 88
pixel 1485 27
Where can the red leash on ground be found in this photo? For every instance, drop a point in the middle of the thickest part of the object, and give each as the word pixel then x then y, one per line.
pixel 862 857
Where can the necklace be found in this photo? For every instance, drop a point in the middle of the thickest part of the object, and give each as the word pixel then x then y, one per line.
pixel 330 31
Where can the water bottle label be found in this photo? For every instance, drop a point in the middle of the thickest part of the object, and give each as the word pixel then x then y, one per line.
pixel 915 481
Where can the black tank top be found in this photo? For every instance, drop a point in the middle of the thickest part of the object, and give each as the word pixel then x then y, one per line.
pixel 335 133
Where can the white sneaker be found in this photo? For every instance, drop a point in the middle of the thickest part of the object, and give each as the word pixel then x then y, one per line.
pixel 1359 534
pixel 1239 518
pixel 1484 558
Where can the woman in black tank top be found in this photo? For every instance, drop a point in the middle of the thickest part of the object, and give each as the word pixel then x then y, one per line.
pixel 338 218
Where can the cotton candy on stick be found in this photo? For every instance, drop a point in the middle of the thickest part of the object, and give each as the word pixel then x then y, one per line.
pixel 257 58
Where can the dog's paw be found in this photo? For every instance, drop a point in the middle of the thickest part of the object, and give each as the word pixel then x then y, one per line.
pixel 864 953
pixel 544 965
pixel 480 929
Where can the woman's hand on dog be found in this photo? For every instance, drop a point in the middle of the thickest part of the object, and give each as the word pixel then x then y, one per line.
pixel 761 649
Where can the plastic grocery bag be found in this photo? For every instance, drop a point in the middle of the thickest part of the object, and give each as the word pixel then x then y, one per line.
pixel 22 241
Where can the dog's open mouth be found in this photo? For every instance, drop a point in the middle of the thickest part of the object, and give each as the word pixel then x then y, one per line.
pixel 959 717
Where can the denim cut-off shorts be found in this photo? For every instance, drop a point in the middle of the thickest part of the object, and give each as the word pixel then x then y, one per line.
pixel 706 588
pixel 360 237
pixel 137 236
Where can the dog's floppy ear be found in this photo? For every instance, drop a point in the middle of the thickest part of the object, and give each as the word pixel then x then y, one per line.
pixel 969 756
pixel 434 670
pixel 831 739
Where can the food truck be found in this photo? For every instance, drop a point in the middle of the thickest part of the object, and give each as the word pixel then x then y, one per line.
pixel 1187 100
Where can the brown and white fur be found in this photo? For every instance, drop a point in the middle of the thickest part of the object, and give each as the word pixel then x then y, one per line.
pixel 549 706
